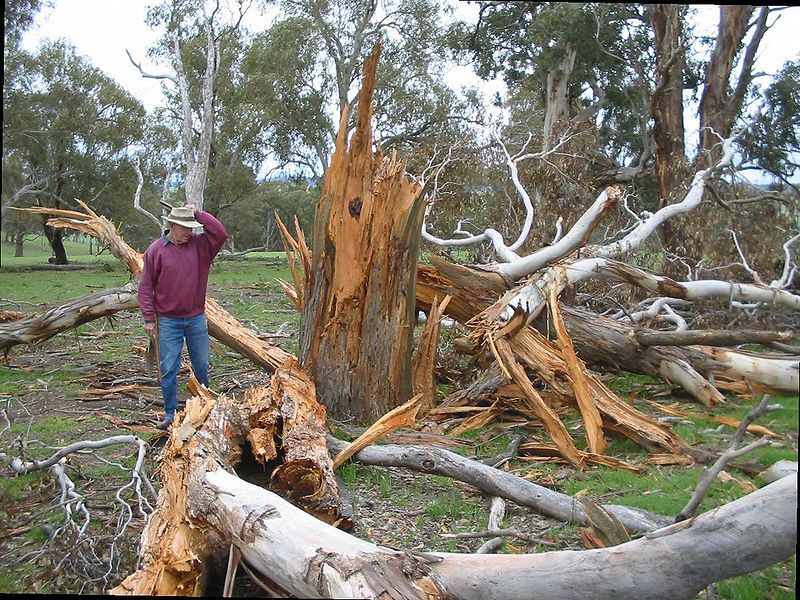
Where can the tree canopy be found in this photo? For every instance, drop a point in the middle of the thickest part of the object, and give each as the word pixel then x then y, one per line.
pixel 587 83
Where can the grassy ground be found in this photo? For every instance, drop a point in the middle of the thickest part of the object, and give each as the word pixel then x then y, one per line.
pixel 63 390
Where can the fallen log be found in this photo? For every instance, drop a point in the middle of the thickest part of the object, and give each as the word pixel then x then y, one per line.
pixel 495 482
pixel 36 328
pixel 601 341
pixel 606 342
pixel 309 559
pixel 710 337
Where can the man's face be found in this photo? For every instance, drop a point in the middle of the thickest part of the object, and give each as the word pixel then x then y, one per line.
pixel 179 234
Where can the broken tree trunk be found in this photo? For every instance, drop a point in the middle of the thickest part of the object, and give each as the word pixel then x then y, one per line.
pixel 358 311
pixel 186 537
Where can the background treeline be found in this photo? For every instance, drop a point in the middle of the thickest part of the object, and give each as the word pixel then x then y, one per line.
pixel 586 91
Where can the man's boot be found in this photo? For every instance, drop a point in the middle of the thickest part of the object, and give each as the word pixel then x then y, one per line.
pixel 165 422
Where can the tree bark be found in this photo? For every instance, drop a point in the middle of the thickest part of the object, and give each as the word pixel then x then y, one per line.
pixel 710 337
pixel 557 100
pixel 360 288
pixel 312 560
pixel 717 112
pixel 667 102
pixel 19 246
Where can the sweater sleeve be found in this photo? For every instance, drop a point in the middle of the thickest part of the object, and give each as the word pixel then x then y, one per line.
pixel 146 290
pixel 213 230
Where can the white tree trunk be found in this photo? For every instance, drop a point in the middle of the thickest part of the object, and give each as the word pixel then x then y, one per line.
pixel 310 559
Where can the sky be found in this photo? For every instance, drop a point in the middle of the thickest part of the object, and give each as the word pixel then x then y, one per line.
pixel 102 30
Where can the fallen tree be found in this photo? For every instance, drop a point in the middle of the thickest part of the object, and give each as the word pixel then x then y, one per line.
pixel 203 508
pixel 308 559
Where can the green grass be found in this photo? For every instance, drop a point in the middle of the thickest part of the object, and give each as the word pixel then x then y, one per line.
pixel 628 383
pixel 451 504
pixel 51 430
pixel 16 488
pixel 10 582
pixel 32 289
pixel 37 250
pixel 761 585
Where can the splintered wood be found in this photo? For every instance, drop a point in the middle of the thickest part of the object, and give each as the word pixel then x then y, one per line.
pixel 357 292
pixel 285 429
pixel 592 422
pixel 289 410
pixel 423 365
pixel 532 374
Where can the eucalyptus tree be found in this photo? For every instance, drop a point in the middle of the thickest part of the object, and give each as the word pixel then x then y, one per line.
pixel 18 16
pixel 207 138
pixel 772 141
pixel 191 47
pixel 615 88
pixel 305 66
pixel 67 130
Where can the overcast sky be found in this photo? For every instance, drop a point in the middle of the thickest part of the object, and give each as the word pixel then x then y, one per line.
pixel 103 29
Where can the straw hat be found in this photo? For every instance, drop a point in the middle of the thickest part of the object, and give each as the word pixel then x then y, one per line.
pixel 181 215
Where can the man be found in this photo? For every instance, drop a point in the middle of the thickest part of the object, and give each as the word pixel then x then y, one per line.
pixel 172 296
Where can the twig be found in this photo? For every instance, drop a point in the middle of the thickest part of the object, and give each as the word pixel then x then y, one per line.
pixel 732 452
pixel 500 532
pixel 497 511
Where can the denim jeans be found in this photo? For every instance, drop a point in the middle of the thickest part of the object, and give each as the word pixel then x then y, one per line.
pixel 171 333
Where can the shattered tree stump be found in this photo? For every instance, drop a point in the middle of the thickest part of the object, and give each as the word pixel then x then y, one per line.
pixel 358 313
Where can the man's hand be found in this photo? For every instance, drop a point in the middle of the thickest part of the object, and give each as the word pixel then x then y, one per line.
pixel 191 207
pixel 150 329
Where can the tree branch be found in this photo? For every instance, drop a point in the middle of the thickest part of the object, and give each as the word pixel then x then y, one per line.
pixel 732 452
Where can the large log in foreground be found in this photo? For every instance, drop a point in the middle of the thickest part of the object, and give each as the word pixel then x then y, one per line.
pixel 185 539
pixel 310 559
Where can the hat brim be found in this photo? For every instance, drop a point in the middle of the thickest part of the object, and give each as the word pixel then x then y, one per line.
pixel 191 224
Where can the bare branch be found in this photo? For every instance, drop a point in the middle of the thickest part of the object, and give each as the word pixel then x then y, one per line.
pixel 147 75
pixel 789 266
pixel 137 195
pixel 732 452
pixel 755 275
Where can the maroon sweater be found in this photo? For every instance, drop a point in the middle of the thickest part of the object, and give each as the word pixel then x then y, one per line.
pixel 175 277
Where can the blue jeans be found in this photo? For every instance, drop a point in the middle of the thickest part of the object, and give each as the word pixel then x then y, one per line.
pixel 171 333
